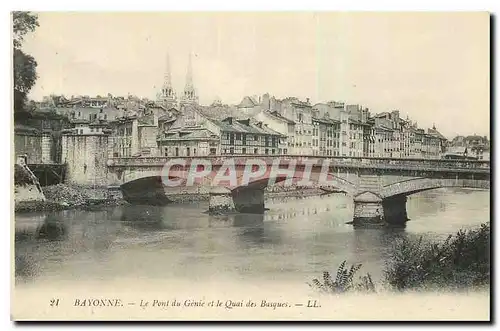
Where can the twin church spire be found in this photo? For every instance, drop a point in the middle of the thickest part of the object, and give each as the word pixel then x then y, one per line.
pixel 168 94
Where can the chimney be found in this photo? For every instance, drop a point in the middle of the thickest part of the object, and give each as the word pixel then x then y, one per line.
pixel 265 102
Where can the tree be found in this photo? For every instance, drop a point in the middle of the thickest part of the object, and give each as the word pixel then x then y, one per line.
pixel 24 64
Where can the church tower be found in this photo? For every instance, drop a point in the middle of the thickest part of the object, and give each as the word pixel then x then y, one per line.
pixel 190 96
pixel 167 95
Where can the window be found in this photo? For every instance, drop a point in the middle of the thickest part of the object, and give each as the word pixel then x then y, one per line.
pixel 194 151
pixel 81 131
pixel 267 151
pixel 213 151
pixel 188 151
pixel 272 151
pixel 91 129
pixel 243 150
pixel 238 136
pixel 166 152
pixel 177 151
pixel 256 151
pixel 231 150
pixel 255 137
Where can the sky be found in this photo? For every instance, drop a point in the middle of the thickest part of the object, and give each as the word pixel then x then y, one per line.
pixel 433 67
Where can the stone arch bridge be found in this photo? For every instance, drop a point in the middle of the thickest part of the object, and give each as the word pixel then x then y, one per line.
pixel 378 186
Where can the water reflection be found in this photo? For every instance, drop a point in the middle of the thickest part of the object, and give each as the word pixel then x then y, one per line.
pixel 144 218
pixel 303 236
pixel 251 229
pixel 52 229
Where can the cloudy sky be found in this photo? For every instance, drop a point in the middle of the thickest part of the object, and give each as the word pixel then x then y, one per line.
pixel 432 67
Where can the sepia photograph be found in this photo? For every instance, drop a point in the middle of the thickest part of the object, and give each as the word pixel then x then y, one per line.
pixel 250 166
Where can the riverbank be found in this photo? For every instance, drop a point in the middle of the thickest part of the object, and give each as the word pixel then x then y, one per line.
pixel 459 263
pixel 271 193
pixel 65 196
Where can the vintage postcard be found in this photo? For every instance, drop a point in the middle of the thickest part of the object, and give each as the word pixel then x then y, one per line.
pixel 315 166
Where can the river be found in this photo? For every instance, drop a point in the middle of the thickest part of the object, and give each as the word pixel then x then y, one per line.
pixel 294 241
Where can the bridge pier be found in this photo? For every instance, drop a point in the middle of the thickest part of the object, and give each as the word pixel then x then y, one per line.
pixel 395 210
pixel 370 209
pixel 249 200
pixel 368 213
pixel 243 200
pixel 221 201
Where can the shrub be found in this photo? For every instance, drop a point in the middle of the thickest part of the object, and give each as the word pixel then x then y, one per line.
pixel 461 261
pixel 344 281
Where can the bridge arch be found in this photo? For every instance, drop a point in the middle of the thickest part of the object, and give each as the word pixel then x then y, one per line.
pixel 415 185
pixel 334 183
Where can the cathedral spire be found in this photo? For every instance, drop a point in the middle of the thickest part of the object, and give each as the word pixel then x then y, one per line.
pixel 167 82
pixel 167 95
pixel 189 90
pixel 189 76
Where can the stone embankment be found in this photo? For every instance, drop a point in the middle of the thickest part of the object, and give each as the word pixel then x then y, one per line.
pixel 272 191
pixel 64 196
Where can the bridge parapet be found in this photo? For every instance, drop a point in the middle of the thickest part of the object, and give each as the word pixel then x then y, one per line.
pixel 335 162
pixel 422 184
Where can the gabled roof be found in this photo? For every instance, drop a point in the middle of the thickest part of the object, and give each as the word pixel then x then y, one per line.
pixel 167 118
pixel 233 125
pixel 18 128
pixel 325 120
pixel 146 120
pixel 436 133
pixel 247 102
pixel 383 127
pixel 216 112
pixel 457 150
pixel 379 115
pixel 79 121
pixel 193 133
pixel 278 116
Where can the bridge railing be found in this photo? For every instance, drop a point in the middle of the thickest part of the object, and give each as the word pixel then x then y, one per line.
pixel 362 162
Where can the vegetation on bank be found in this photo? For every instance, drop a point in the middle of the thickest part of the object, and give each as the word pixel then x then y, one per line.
pixel 21 176
pixel 25 65
pixel 65 196
pixel 462 261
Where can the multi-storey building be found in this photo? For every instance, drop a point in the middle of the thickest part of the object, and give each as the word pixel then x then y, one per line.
pixel 133 136
pixel 207 130
pixel 325 136
pixel 474 146
pixel 278 123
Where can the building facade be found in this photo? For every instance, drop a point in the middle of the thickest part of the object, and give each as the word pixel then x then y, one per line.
pixel 195 132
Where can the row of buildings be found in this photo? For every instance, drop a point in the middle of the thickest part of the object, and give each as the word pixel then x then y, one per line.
pixel 262 126
pixel 265 125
